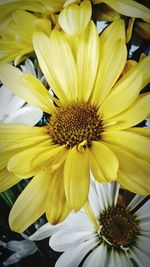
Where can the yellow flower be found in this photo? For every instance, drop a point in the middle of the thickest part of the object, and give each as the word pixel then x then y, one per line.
pixel 39 6
pixel 90 127
pixel 16 37
pixel 17 26
pixel 73 17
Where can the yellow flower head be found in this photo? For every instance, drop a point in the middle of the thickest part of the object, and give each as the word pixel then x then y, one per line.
pixel 90 127
pixel 72 16
pixel 16 37
pixel 38 6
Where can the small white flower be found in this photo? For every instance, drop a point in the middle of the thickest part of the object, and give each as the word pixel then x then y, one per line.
pixel 13 109
pixel 22 249
pixel 122 238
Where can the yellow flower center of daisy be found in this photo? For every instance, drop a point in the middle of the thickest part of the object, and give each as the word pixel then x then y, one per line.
pixel 75 123
pixel 119 226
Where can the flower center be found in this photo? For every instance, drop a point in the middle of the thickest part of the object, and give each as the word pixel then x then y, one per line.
pixel 119 226
pixel 75 123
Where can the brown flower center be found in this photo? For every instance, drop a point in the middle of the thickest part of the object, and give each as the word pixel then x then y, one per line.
pixel 75 123
pixel 119 226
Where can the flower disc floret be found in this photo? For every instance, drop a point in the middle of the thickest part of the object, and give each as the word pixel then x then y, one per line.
pixel 119 226
pixel 75 123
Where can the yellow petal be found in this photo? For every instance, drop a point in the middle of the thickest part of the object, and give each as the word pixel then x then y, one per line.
pixel 42 6
pixel 16 132
pixel 21 163
pixel 129 64
pixel 68 2
pixel 128 8
pixel 38 94
pixel 57 64
pixel 114 31
pixel 129 29
pixel 123 94
pixel 30 88
pixel 142 131
pixel 73 41
pixel 20 17
pixel 103 162
pixel 57 208
pixel 17 35
pixel 76 178
pixel 132 116
pixel 112 60
pixel 131 83
pixel 10 150
pixel 133 172
pixel 130 142
pixel 87 61
pixel 73 18
pixel 28 162
pixel 10 51
pixel 42 25
pixel 5 155
pixel 143 67
pixel 15 138
pixel 7 180
pixel 30 205
pixel 136 183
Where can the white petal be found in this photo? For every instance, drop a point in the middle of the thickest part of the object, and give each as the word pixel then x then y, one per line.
pixel 14 103
pixel 23 248
pixel 102 194
pixel 113 193
pixel 28 67
pixel 12 259
pixel 77 221
pixel 139 257
pixel 107 194
pixel 101 25
pixel 8 102
pixel 119 259
pixel 143 213
pixel 147 123
pixel 145 228
pixel 44 231
pixel 97 258
pixel 26 115
pixel 12 245
pixel 66 239
pixel 135 201
pixel 95 204
pixel 73 257
pixel 143 243
pixel 5 96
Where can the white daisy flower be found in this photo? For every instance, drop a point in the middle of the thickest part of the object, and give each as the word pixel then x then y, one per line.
pixel 120 236
pixel 21 248
pixel 13 109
